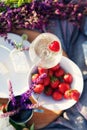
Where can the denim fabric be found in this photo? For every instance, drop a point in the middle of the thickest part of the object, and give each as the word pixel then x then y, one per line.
pixel 73 40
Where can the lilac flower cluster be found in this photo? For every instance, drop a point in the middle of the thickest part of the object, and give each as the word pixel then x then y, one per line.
pixel 28 93
pixel 22 102
pixel 3 7
pixel 9 41
pixel 14 44
pixel 8 114
pixel 36 15
pixel 42 76
pixel 11 95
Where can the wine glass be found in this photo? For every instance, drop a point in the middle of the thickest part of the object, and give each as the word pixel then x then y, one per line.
pixel 46 51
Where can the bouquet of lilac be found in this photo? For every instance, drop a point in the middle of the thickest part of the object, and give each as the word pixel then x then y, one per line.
pixel 20 108
pixel 36 14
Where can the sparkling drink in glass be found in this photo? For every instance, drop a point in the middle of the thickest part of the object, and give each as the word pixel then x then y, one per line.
pixel 46 51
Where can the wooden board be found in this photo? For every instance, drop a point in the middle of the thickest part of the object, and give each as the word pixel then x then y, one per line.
pixel 41 120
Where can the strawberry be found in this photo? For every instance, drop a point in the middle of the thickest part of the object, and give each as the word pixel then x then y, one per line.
pixel 50 73
pixel 55 67
pixel 54 82
pixel 57 95
pixel 75 95
pixel 39 88
pixel 48 90
pixel 63 87
pixel 67 94
pixel 68 78
pixel 54 46
pixel 34 77
pixel 46 81
pixel 42 70
pixel 72 94
pixel 60 72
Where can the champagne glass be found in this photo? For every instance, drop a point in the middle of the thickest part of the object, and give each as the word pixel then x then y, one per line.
pixel 43 53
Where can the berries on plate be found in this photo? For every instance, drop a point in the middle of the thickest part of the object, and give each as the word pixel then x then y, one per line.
pixel 72 94
pixel 55 67
pixel 57 95
pixel 63 87
pixel 54 82
pixel 57 83
pixel 54 46
pixel 39 88
pixel 50 73
pixel 42 70
pixel 68 78
pixel 46 81
pixel 48 91
pixel 67 94
pixel 60 72
pixel 34 77
pixel 75 95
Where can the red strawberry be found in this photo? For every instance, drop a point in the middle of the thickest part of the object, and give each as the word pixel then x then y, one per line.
pixel 46 81
pixel 54 82
pixel 50 73
pixel 68 78
pixel 57 95
pixel 39 88
pixel 48 90
pixel 55 67
pixel 42 70
pixel 67 94
pixel 63 87
pixel 34 77
pixel 75 95
pixel 54 46
pixel 60 72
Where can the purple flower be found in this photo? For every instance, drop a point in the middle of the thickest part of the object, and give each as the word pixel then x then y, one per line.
pixel 11 95
pixel 27 94
pixel 23 16
pixel 11 113
pixel 20 102
pixel 42 76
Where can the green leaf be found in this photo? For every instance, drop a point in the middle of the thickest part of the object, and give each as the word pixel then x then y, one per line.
pixel 32 127
pixel 13 1
pixel 20 2
pixel 7 1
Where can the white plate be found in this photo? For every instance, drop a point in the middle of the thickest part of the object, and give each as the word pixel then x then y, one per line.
pixel 77 83
pixel 19 80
